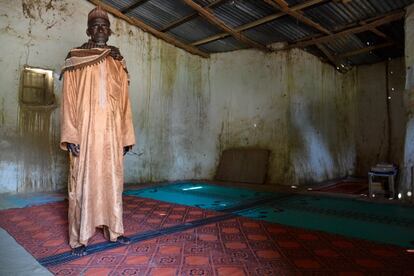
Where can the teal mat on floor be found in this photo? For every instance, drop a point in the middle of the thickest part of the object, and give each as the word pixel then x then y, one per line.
pixel 201 195
pixel 385 223
pixel 8 201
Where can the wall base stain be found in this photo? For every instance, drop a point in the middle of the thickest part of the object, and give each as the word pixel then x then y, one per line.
pixel 37 147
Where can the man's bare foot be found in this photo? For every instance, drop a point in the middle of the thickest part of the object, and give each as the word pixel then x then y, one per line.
pixel 123 240
pixel 79 251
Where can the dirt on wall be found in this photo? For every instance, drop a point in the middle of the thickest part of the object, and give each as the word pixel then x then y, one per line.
pixel 36 149
pixel 48 12
pixel 381 115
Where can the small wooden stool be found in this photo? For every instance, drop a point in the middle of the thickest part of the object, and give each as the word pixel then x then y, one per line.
pixel 391 181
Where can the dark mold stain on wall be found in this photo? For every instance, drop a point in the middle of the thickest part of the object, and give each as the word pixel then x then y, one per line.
pixel 28 8
pixel 48 12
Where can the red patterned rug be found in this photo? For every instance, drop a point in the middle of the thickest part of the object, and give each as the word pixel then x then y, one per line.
pixel 238 246
pixel 353 188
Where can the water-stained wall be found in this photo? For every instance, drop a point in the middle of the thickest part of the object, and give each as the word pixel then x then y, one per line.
pixel 406 183
pixel 31 33
pixel 289 102
pixel 170 110
pixel 169 105
pixel 381 114
pixel 186 109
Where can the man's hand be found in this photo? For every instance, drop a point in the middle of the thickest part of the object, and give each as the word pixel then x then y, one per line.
pixel 126 149
pixel 74 149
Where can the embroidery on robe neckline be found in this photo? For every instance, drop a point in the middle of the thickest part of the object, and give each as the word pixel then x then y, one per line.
pixel 79 58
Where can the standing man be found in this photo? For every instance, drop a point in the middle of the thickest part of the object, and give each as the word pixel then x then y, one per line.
pixel 97 130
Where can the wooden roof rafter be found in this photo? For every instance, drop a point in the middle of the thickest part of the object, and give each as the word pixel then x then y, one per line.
pixel 379 33
pixel 349 26
pixel 258 22
pixel 366 49
pixel 146 28
pixel 373 29
pixel 340 60
pixel 367 25
pixel 348 31
pixel 329 55
pixel 191 16
pixel 284 7
pixel 133 6
pixel 319 40
pixel 218 23
pixel 335 60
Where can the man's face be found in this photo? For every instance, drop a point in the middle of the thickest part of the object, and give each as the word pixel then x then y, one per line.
pixel 98 30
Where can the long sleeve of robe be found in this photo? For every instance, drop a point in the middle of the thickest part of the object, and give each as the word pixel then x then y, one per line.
pixel 96 114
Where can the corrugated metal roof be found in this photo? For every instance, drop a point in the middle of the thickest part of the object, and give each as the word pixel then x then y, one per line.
pixel 336 15
pixel 223 45
pixel 333 15
pixel 294 2
pixel 282 29
pixel 194 30
pixel 367 58
pixel 153 14
pixel 345 44
pixel 119 4
pixel 238 13
pixel 395 30
pixel 204 2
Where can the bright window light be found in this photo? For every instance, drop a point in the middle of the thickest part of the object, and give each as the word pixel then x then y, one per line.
pixel 39 70
pixel 192 188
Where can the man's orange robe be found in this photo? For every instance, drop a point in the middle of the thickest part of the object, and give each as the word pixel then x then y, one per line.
pixel 95 114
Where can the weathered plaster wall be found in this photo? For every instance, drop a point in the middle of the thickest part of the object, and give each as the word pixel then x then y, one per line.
pixel 170 109
pixel 31 33
pixel 407 171
pixel 169 104
pixel 186 109
pixel 381 120
pixel 398 114
pixel 291 103
pixel 409 36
